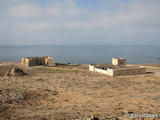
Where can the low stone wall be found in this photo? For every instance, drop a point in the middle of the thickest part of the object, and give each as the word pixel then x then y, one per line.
pixel 129 71
pixel 110 72
pixel 118 72
pixel 101 71
pixel 101 67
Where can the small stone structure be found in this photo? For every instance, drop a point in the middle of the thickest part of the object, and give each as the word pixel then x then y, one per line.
pixel 15 72
pixel 117 68
pixel 119 61
pixel 38 61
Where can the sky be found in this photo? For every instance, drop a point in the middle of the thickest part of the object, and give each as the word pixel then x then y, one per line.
pixel 79 22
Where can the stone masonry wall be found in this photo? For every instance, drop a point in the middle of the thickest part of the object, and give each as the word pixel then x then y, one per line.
pixel 38 61
pixel 129 71
pixel 118 72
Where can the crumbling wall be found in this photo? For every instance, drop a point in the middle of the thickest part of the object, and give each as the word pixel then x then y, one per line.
pixel 49 62
pixel 91 68
pixel 101 67
pixel 117 72
pixel 129 71
pixel 38 61
pixel 119 61
pixel 25 62
pixel 110 72
pixel 100 71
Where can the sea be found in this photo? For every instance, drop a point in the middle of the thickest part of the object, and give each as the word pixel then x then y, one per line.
pixel 83 54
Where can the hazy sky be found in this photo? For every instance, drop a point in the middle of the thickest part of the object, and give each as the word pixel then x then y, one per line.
pixel 31 22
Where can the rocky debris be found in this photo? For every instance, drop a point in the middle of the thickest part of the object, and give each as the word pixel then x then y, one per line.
pixel 157 74
pixel 116 119
pixel 3 108
pixel 55 92
pixel 9 96
pixel 15 72
pixel 93 118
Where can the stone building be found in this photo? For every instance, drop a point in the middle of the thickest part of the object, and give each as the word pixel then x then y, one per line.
pixel 38 61
pixel 119 61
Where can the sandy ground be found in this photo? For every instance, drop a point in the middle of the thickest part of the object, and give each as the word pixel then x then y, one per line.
pixel 77 94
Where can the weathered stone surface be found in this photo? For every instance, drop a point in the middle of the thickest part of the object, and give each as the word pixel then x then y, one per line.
pixel 93 118
pixel 38 61
pixel 117 68
pixel 119 61
pixel 15 72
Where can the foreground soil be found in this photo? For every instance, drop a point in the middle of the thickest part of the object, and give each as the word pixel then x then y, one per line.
pixel 73 93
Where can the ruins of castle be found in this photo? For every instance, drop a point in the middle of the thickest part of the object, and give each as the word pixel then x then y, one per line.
pixel 38 61
pixel 117 68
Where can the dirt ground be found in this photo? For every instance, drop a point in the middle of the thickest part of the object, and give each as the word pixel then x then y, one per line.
pixel 74 93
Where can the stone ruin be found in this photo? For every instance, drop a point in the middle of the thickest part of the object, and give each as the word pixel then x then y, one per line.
pixel 119 61
pixel 15 72
pixel 117 68
pixel 38 61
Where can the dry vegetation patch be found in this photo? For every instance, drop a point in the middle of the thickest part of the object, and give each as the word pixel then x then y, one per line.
pixel 68 93
pixel 56 69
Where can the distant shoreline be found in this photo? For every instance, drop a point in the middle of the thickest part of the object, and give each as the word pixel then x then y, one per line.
pixel 83 54
pixel 76 64
pixel 91 45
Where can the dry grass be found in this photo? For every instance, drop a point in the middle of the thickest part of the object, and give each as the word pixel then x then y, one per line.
pixel 5 68
pixel 65 94
pixel 56 69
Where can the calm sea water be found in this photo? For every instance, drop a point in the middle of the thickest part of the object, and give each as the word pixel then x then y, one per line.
pixel 83 54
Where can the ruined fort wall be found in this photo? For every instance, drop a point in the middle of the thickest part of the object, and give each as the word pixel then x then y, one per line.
pixel 25 62
pixel 118 68
pixel 114 61
pixel 110 72
pixel 100 71
pixel 129 71
pixel 38 61
pixel 49 62
pixel 91 68
pixel 119 61
pixel 118 72
pixel 101 67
